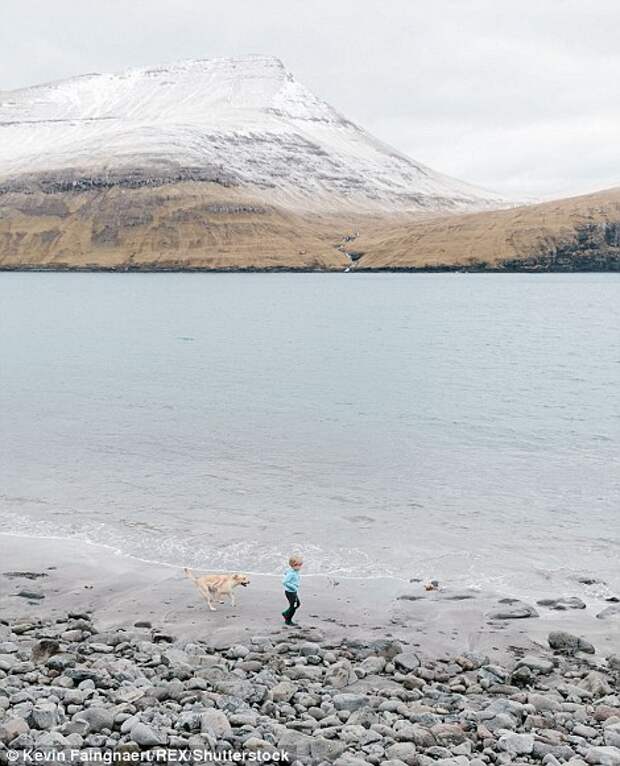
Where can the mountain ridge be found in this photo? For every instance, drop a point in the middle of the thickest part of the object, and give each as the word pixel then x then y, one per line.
pixel 232 164
pixel 243 122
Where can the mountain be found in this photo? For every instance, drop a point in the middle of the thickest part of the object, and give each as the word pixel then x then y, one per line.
pixel 240 123
pixel 210 164
pixel 233 164
pixel 575 234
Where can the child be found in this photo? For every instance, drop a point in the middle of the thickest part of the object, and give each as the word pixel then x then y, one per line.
pixel 291 582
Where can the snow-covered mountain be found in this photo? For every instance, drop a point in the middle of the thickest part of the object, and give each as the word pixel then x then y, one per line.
pixel 244 123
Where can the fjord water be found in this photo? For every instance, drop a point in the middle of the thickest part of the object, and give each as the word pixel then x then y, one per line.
pixel 463 427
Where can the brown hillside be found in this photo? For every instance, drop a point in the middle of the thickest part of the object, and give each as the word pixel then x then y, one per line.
pixel 577 233
pixel 184 226
pixel 208 226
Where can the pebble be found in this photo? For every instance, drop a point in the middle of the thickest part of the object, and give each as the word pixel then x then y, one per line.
pixel 355 703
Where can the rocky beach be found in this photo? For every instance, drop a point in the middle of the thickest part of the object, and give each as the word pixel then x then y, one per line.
pixel 105 657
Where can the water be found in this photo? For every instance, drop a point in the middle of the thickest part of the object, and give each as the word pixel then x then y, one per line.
pixel 464 427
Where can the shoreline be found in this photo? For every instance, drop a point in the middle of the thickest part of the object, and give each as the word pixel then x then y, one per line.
pixel 348 270
pixel 105 660
pixel 119 589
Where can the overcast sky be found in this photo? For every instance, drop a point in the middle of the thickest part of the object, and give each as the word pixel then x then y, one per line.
pixel 520 96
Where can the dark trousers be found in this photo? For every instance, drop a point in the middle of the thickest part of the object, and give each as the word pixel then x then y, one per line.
pixel 293 604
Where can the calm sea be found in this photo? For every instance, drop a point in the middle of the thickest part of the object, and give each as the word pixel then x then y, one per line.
pixel 463 427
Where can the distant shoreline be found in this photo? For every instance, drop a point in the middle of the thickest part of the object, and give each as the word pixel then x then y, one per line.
pixel 252 270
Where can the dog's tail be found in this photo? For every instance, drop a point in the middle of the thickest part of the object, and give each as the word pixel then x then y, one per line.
pixel 189 573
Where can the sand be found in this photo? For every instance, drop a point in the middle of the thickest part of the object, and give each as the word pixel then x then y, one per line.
pixel 120 590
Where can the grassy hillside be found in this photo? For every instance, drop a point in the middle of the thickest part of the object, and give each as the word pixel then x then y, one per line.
pixel 202 225
pixel 580 233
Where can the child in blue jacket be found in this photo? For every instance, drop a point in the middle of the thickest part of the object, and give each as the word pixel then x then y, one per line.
pixel 291 581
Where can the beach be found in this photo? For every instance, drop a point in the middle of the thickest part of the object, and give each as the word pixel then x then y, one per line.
pixel 101 653
pixel 208 424
pixel 118 590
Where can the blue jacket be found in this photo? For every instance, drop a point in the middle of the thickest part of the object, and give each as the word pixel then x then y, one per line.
pixel 291 580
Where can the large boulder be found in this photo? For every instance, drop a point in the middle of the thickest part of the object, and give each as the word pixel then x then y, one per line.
pixel 567 643
pixel 513 609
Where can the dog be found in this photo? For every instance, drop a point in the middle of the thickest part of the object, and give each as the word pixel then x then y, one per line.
pixel 217 586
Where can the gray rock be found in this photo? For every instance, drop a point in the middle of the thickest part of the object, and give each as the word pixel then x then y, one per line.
pixel 11 728
pixel 562 604
pixel 340 674
pixel 42 650
pixel 472 660
pixel 516 744
pixel 544 703
pixel 448 733
pixel 612 735
pixel 608 612
pixel 613 662
pixel 587 732
pixel 542 749
pixel 513 609
pixel 605 756
pixel 567 643
pixel 373 665
pixel 73 636
pixel 407 661
pixel 258 745
pixel 349 701
pixel 537 664
pixel 283 691
pixel 145 736
pixel 8 647
pixel 307 748
pixel 350 760
pixel 402 751
pixel 215 722
pixel 414 732
pixel 595 684
pixel 236 687
pixel 44 716
pixel 493 674
pixel 97 717
pixel 7 662
pixel 238 652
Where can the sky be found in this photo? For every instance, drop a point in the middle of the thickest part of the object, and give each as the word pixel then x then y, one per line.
pixel 521 97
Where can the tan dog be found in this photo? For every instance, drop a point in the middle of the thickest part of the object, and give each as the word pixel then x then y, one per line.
pixel 217 586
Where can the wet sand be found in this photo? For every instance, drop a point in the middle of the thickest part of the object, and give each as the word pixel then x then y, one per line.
pixel 120 590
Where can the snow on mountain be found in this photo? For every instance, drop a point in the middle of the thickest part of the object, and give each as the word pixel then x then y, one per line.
pixel 239 122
